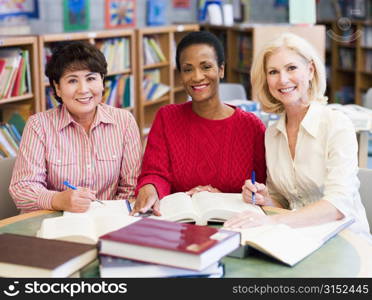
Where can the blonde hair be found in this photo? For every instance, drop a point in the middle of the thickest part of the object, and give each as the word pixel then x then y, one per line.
pixel 303 48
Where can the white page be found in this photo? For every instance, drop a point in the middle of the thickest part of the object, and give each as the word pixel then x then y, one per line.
pixel 280 241
pixel 176 207
pixel 221 205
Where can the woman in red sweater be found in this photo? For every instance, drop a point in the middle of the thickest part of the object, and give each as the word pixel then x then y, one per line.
pixel 202 144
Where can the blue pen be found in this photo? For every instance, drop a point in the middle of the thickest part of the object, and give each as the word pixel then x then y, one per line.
pixel 128 205
pixel 253 180
pixel 66 183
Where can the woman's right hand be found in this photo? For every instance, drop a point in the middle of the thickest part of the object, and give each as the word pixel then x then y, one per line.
pixel 261 193
pixel 147 199
pixel 73 200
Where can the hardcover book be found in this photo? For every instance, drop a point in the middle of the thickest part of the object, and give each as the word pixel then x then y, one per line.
pixel 115 267
pixel 27 256
pixel 179 245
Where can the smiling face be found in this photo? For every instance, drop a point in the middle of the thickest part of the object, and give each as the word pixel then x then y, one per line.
pixel 288 75
pixel 200 73
pixel 81 92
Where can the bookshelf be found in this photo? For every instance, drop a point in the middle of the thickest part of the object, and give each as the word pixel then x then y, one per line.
pixel 19 81
pixel 161 70
pixel 350 57
pixel 110 42
pixel 242 43
pixel 30 97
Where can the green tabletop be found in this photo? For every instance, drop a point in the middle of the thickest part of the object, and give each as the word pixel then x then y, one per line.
pixel 337 258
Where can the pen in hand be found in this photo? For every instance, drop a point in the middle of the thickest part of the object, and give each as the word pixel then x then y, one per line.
pixel 66 183
pixel 253 180
pixel 128 206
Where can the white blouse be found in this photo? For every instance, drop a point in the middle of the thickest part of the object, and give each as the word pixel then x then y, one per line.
pixel 325 164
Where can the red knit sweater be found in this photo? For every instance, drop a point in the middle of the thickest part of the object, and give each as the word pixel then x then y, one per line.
pixel 185 150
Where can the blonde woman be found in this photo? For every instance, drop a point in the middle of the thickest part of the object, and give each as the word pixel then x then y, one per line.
pixel 311 151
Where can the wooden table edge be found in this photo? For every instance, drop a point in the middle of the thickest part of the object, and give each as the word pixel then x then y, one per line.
pixel 24 216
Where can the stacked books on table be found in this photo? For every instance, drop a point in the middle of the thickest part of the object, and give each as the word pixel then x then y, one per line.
pixel 159 248
pixel 28 256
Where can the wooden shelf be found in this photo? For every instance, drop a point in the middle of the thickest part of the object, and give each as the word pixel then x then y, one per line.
pixel 16 99
pixel 157 101
pixel 166 37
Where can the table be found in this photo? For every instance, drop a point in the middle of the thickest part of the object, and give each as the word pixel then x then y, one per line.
pixel 345 255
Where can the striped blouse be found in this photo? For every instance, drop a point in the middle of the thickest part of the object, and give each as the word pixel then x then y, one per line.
pixel 55 148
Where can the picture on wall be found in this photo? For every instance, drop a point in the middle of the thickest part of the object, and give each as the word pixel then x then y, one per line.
pixel 76 15
pixel 15 8
pixel 120 13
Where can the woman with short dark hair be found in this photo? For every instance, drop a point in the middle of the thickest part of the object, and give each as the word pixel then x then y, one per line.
pixel 94 146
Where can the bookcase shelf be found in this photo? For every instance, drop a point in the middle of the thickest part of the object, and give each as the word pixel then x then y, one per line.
pixel 242 43
pixel 166 38
pixel 22 82
pixel 351 61
pixel 98 39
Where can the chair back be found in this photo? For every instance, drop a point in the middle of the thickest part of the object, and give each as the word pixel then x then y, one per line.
pixel 232 91
pixel 7 206
pixel 365 190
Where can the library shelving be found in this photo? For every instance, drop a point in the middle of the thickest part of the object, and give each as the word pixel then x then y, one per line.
pixel 118 47
pixel 351 61
pixel 157 79
pixel 242 43
pixel 19 89
pixel 30 97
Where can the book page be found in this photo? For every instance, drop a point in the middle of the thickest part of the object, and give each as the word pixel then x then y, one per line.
pixel 279 241
pixel 69 228
pixel 177 207
pixel 324 232
pixel 83 227
pixel 220 206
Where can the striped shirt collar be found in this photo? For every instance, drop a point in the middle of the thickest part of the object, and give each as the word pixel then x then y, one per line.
pixel 102 116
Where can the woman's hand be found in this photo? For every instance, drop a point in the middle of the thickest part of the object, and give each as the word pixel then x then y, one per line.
pixel 201 188
pixel 73 200
pixel 261 193
pixel 147 199
pixel 248 219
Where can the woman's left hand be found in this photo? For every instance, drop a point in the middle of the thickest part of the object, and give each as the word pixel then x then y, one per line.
pixel 202 188
pixel 248 219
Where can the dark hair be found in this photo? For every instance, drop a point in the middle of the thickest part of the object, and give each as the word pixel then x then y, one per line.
pixel 74 56
pixel 201 37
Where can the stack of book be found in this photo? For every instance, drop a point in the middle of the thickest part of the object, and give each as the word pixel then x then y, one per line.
pixel 152 87
pixel 152 51
pixel 159 248
pixel 27 256
pixel 10 138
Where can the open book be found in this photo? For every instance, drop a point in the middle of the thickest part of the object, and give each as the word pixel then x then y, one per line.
pixel 203 207
pixel 87 227
pixel 291 245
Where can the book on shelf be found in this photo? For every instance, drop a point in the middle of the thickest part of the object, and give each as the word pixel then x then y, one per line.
pixel 28 256
pixel 88 226
pixel 291 245
pixel 203 207
pixel 180 245
pixel 116 267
